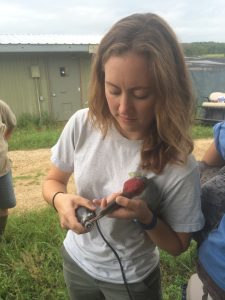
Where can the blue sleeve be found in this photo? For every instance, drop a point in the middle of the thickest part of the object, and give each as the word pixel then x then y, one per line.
pixel 219 138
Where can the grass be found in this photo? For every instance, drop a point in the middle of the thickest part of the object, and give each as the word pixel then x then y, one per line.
pixel 30 261
pixel 31 265
pixel 202 131
pixel 176 271
pixel 27 139
pixel 221 55
pixel 33 133
pixel 45 137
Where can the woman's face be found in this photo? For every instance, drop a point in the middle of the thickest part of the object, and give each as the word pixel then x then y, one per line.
pixel 129 94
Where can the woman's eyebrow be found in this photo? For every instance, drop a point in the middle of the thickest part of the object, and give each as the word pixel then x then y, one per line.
pixel 140 88
pixel 132 88
pixel 112 84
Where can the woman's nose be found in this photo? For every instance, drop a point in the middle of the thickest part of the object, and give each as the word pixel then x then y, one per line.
pixel 124 105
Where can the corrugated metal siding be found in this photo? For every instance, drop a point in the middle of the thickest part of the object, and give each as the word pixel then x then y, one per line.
pixel 18 88
pixel 85 64
pixel 208 81
pixel 19 52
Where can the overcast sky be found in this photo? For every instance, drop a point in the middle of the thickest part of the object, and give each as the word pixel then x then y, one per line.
pixel 192 20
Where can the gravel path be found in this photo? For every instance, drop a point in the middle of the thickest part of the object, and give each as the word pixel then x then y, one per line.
pixel 30 168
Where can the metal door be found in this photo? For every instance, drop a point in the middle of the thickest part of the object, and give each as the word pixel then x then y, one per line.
pixel 64 76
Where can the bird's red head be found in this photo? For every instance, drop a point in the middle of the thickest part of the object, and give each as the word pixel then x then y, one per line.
pixel 134 186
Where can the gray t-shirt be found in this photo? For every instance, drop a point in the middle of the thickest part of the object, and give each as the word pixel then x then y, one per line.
pixel 101 166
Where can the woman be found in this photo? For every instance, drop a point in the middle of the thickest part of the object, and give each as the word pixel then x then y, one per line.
pixel 7 196
pixel 138 123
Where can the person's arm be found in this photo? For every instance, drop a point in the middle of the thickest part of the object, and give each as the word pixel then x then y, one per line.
pixel 165 238
pixel 8 118
pixel 212 157
pixel 162 234
pixel 55 186
pixel 8 133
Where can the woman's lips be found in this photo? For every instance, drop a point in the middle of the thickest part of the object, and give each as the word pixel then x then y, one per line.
pixel 127 119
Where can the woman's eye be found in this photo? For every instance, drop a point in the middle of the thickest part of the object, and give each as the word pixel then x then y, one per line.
pixel 141 93
pixel 114 92
pixel 141 96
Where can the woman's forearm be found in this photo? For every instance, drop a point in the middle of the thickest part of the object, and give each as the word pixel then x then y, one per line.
pixel 56 181
pixel 50 188
pixel 166 239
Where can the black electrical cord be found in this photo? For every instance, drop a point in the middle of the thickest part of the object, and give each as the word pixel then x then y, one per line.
pixel 119 261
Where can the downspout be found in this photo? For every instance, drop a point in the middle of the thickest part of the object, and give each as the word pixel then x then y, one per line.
pixel 80 89
pixel 38 96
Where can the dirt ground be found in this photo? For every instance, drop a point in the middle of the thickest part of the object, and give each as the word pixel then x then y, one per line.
pixel 30 168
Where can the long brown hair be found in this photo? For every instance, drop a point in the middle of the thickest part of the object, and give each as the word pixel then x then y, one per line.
pixel 169 137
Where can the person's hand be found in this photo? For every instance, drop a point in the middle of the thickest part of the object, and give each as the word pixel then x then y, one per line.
pixel 66 205
pixel 7 134
pixel 129 208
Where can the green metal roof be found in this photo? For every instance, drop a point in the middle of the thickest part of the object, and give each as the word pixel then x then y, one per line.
pixel 48 43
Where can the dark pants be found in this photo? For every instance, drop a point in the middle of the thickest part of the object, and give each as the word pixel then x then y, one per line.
pixel 81 286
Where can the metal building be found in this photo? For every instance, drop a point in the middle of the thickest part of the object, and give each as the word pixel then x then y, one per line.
pixel 50 73
pixel 208 77
pixel 45 73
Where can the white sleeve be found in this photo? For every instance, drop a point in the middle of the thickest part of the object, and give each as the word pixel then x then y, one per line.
pixel 63 153
pixel 181 205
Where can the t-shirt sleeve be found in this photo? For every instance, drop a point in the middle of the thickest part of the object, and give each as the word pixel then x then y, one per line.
pixel 63 152
pixel 181 206
pixel 219 138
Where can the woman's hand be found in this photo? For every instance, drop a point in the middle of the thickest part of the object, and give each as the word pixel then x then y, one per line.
pixel 66 205
pixel 162 235
pixel 129 208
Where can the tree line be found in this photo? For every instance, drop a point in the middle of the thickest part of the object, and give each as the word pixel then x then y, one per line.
pixel 204 48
